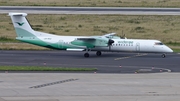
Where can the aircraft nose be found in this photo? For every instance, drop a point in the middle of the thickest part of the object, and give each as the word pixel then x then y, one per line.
pixel 169 50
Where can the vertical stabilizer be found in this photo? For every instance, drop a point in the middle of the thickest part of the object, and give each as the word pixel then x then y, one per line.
pixel 21 25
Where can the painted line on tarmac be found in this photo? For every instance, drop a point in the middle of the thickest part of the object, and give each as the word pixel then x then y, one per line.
pixel 138 55
pixel 168 70
pixel 158 70
pixel 53 83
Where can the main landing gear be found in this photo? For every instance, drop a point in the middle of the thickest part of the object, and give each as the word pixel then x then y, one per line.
pixel 86 55
pixel 98 53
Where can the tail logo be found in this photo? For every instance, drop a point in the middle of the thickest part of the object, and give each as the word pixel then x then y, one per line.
pixel 20 24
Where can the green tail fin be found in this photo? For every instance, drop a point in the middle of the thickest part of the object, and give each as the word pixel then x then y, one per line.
pixel 21 25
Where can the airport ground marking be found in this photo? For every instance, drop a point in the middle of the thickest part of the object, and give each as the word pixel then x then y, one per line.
pixel 138 55
pixel 53 83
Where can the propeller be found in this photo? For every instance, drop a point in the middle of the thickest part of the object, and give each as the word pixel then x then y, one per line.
pixel 110 42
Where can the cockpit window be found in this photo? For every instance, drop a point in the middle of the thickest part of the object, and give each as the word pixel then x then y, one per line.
pixel 158 43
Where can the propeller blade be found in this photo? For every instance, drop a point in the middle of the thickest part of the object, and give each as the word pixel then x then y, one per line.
pixel 110 42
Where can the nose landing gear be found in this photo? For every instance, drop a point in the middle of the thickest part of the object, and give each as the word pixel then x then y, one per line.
pixel 163 55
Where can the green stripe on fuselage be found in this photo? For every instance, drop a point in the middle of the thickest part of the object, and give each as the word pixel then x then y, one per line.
pixel 32 40
pixel 25 36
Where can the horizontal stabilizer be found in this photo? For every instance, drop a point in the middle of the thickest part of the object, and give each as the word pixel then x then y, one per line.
pixel 17 14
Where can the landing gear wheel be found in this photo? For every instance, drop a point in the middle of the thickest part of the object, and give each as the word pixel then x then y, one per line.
pixel 98 53
pixel 86 55
pixel 163 55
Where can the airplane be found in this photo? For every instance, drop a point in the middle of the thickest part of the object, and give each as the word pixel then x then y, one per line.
pixel 106 43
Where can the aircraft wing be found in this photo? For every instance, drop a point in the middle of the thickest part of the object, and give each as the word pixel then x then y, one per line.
pixel 96 38
pixel 91 42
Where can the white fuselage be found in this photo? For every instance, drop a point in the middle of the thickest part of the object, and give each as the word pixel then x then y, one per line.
pixel 119 45
pixel 136 45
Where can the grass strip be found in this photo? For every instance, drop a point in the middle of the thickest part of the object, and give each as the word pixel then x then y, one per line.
pixel 6 39
pixel 93 3
pixel 176 50
pixel 41 68
pixel 163 28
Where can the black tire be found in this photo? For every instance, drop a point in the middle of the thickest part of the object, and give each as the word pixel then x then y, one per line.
pixel 163 55
pixel 98 53
pixel 86 55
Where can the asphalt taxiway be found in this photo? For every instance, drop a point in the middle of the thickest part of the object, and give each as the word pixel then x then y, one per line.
pixel 107 63
pixel 115 79
pixel 89 87
pixel 90 10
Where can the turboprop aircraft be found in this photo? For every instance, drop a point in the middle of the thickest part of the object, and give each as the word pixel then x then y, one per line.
pixel 107 42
